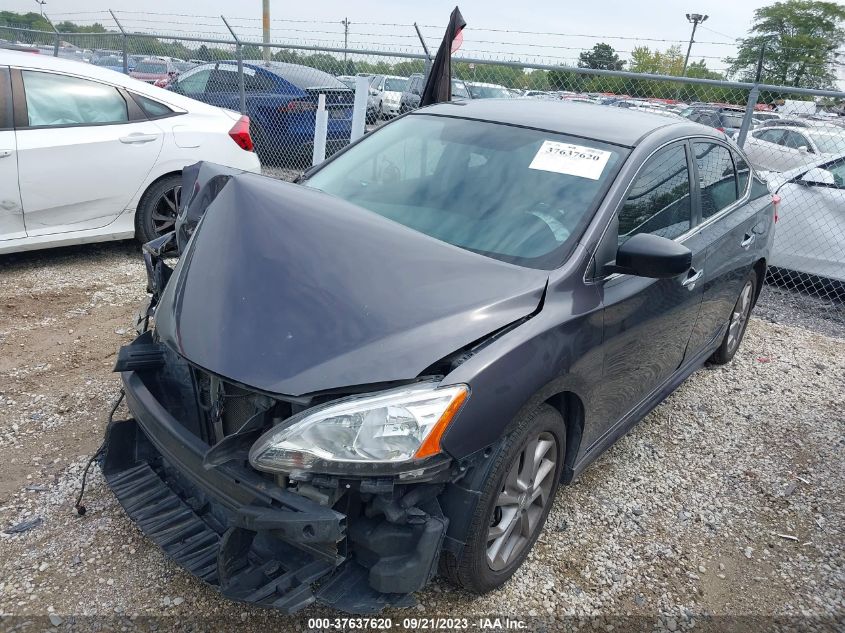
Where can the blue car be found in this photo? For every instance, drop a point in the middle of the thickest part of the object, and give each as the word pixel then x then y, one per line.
pixel 281 102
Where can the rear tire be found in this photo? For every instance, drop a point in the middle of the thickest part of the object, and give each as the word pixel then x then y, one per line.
pixel 157 209
pixel 509 501
pixel 737 323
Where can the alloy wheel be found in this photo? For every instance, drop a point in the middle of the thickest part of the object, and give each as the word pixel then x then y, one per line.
pixel 739 316
pixel 165 210
pixel 522 501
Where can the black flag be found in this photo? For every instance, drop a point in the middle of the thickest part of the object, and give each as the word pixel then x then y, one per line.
pixel 438 87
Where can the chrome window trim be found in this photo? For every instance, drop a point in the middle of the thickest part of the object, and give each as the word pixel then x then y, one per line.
pixel 694 230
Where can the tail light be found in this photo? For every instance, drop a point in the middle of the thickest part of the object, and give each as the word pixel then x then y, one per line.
pixel 240 134
pixel 776 204
pixel 298 106
pixel 720 129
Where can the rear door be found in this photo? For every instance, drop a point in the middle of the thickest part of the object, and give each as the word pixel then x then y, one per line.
pixel 84 149
pixel 733 227
pixel 648 322
pixel 11 211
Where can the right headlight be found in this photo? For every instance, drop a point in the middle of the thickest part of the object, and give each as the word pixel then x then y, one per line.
pixel 397 428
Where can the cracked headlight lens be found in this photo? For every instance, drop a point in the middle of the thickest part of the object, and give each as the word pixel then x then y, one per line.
pixel 389 427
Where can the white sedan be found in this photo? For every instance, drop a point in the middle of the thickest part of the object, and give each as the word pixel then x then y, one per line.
pixel 811 226
pixel 89 155
pixel 781 148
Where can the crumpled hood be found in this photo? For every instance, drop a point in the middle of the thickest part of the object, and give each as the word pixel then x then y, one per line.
pixel 289 290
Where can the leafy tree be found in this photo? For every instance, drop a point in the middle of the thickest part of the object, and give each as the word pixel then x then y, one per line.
pixel 601 57
pixel 799 39
pixel 29 20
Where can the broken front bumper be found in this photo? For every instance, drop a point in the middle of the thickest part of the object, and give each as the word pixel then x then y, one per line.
pixel 253 540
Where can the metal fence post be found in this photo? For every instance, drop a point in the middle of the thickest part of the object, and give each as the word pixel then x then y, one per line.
pixel 753 95
pixel 239 52
pixel 56 36
pixel 125 52
pixel 427 54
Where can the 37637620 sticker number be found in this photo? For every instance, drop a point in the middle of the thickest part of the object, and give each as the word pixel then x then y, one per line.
pixel 570 159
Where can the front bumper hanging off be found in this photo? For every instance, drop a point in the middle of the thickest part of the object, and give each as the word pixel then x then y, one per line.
pixel 253 540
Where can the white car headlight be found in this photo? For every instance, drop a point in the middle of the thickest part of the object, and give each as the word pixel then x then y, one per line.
pixel 395 427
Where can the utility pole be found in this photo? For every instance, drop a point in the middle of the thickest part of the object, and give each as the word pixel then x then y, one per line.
pixel 345 22
pixel 41 4
pixel 695 19
pixel 265 27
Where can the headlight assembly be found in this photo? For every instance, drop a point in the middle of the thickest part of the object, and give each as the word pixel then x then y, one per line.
pixel 397 428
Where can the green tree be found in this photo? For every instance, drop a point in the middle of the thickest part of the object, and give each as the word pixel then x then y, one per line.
pixel 601 57
pixel 799 39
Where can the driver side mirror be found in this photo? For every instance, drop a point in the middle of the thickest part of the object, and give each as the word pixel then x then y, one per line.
pixel 817 176
pixel 647 255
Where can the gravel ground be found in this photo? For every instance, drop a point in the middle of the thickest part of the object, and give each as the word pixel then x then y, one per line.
pixel 724 508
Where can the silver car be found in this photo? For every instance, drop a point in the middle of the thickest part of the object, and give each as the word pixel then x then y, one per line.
pixel 782 148
pixel 811 219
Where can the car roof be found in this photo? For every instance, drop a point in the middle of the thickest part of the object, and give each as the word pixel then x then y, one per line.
pixel 612 125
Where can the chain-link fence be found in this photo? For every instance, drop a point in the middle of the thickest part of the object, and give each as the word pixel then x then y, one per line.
pixel 794 138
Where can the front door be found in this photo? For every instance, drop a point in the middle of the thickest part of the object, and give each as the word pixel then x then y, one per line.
pixel 648 322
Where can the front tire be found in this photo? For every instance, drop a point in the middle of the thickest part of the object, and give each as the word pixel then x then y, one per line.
pixel 738 322
pixel 515 501
pixel 157 209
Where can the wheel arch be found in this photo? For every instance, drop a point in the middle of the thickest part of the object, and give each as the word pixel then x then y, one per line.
pixel 760 268
pixel 144 193
pixel 571 408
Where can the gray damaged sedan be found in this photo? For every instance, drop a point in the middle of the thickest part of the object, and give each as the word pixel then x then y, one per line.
pixel 386 371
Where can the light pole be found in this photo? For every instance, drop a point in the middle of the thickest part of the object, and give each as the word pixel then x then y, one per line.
pixel 265 28
pixel 696 19
pixel 41 4
pixel 345 22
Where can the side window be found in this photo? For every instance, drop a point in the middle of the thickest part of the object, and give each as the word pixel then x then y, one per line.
pixel 62 100
pixel 794 140
pixel 193 83
pixel 837 168
pixel 772 136
pixel 716 177
pixel 152 109
pixel 743 173
pixel 256 82
pixel 224 79
pixel 659 199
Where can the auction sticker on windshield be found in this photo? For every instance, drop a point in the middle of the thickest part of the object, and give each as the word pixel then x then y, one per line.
pixel 573 160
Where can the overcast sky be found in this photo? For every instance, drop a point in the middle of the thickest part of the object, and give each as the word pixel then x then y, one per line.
pixel 371 20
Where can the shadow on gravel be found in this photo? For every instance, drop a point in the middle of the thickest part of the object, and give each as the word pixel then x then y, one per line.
pixel 63 255
pixel 780 303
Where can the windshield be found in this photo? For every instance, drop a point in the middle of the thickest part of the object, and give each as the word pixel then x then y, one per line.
pixel 151 67
pixel 829 143
pixel 459 89
pixel 488 92
pixel 394 84
pixel 732 120
pixel 515 194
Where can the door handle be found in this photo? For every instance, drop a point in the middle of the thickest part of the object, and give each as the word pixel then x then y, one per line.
pixel 748 241
pixel 693 277
pixel 5 152
pixel 138 138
